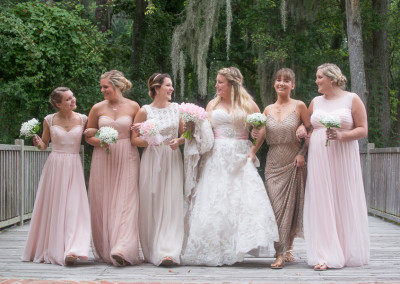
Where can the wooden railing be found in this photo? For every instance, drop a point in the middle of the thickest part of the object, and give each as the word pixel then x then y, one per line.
pixel 20 170
pixel 21 166
pixel 381 174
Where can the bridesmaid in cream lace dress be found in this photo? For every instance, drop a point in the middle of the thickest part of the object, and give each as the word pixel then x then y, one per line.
pixel 60 226
pixel 285 174
pixel 113 184
pixel 335 211
pixel 161 177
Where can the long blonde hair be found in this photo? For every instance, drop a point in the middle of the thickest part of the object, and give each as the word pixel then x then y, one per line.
pixel 240 98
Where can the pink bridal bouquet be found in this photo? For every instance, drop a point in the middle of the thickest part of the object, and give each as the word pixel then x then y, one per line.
pixel 330 121
pixel 257 120
pixel 150 131
pixel 190 114
pixel 107 135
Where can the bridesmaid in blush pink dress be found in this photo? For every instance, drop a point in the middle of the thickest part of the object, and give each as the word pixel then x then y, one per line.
pixel 335 211
pixel 60 225
pixel 114 176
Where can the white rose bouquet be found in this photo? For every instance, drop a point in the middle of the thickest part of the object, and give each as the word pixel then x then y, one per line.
pixel 330 121
pixel 107 135
pixel 257 120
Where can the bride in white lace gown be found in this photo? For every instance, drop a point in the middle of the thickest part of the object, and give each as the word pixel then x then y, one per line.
pixel 229 214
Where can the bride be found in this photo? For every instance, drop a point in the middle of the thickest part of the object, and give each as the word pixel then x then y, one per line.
pixel 229 214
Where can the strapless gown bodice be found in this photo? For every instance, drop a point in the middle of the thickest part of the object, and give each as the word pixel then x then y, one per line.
pixel 122 124
pixel 221 122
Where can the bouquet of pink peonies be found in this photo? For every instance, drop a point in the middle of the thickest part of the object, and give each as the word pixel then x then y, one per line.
pixel 257 120
pixel 150 132
pixel 107 135
pixel 330 121
pixel 190 114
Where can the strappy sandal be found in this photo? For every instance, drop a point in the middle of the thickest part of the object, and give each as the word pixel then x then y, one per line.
pixel 289 257
pixel 279 262
pixel 70 260
pixel 321 266
pixel 119 260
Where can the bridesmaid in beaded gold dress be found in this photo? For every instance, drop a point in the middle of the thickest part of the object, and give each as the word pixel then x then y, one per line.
pixel 285 173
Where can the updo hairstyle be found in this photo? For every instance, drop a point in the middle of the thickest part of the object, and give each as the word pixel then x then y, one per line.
pixel 56 96
pixel 333 72
pixel 117 79
pixel 155 81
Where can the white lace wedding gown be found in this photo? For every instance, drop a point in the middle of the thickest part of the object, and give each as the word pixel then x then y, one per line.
pixel 230 214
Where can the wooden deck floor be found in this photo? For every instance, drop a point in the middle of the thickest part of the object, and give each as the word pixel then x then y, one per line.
pixel 384 266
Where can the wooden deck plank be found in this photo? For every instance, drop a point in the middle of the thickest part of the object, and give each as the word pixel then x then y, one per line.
pixel 383 267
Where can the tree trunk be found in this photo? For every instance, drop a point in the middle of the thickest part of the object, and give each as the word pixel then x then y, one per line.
pixel 381 74
pixel 355 44
pixel 101 15
pixel 265 74
pixel 138 33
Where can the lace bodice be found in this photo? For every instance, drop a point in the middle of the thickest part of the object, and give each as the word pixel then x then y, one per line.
pixel 122 124
pixel 168 118
pixel 340 107
pixel 63 140
pixel 222 125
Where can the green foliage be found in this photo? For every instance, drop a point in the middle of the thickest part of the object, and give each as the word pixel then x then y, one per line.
pixel 394 79
pixel 43 47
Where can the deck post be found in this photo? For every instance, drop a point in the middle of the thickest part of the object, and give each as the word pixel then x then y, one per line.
pixel 368 173
pixel 21 180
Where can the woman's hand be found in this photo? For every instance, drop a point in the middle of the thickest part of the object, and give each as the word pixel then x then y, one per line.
pixel 251 155
pixel 299 161
pixel 333 134
pixel 90 132
pixel 37 141
pixel 136 127
pixel 174 143
pixel 255 132
pixel 301 132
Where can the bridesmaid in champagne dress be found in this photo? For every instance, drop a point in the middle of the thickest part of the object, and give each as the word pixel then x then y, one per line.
pixel 335 211
pixel 161 177
pixel 285 171
pixel 114 176
pixel 60 226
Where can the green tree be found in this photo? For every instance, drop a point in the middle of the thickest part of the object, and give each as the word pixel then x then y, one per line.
pixel 45 46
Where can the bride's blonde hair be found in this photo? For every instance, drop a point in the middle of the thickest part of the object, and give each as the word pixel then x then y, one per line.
pixel 240 98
